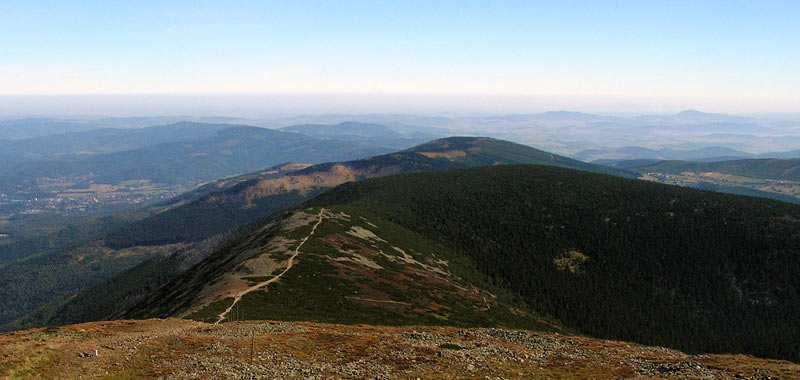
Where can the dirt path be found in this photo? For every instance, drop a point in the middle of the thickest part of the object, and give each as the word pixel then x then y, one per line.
pixel 289 265
pixel 378 301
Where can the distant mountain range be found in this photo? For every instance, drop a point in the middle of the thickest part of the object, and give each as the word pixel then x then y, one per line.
pixel 26 128
pixel 37 127
pixel 215 151
pixel 564 132
pixel 592 136
pixel 693 117
pixel 683 118
pixel 106 140
pixel 349 129
pixel 705 154
pixel 714 153
pixel 397 136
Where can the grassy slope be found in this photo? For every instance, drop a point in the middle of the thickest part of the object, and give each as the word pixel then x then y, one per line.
pixel 316 289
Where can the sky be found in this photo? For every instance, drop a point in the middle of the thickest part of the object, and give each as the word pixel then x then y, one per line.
pixel 722 55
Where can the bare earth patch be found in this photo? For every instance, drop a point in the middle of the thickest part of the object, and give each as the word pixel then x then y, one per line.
pixel 449 154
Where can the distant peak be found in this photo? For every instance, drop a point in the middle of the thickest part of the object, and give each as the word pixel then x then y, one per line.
pixel 691 113
pixel 565 113
pixel 459 141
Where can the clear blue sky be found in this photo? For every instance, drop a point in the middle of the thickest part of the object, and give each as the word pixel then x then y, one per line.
pixel 699 49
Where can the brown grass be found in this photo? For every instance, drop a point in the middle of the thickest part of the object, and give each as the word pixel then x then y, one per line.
pixel 186 349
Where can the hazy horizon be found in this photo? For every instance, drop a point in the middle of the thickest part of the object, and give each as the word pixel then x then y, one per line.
pixel 499 57
pixel 268 105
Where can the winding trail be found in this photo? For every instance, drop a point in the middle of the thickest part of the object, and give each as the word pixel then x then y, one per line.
pixel 379 301
pixel 289 265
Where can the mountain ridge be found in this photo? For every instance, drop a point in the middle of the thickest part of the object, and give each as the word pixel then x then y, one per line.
pixel 255 196
pixel 228 150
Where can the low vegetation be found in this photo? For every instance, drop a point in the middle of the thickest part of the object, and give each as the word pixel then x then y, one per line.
pixel 175 348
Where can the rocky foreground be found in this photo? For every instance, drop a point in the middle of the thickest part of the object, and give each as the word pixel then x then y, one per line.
pixel 183 349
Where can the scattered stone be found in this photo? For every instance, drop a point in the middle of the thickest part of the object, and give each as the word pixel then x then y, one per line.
pixel 179 349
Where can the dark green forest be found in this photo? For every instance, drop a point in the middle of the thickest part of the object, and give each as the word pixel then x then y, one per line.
pixel 612 257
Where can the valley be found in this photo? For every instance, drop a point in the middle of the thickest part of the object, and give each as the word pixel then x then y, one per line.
pixel 64 196
pixel 764 178
pixel 36 210
pixel 788 191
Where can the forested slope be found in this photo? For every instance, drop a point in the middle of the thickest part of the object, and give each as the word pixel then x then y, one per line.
pixel 613 257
